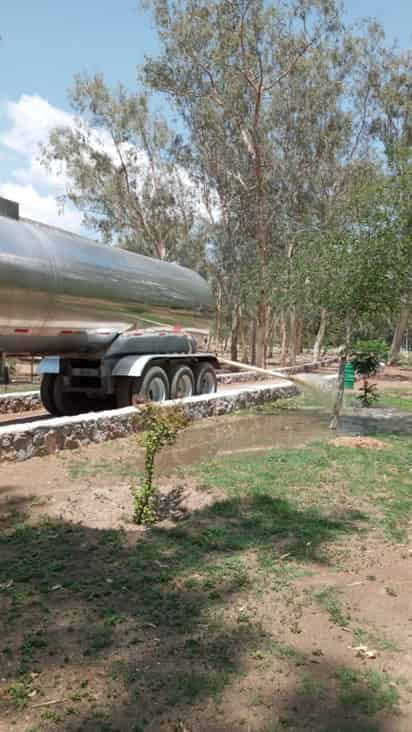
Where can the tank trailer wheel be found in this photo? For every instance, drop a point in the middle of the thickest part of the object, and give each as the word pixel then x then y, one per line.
pixel 47 394
pixel 205 379
pixel 69 403
pixel 154 386
pixel 182 383
pixel 124 391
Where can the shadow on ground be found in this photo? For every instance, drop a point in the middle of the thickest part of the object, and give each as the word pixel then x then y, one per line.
pixel 150 634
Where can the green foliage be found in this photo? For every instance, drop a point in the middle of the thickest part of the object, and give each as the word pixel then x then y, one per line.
pixel 367 691
pixel 368 394
pixel 366 357
pixel 122 172
pixel 329 599
pixel 19 693
pixel 161 428
pixel 365 360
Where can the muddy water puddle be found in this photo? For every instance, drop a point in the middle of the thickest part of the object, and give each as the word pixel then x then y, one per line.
pixel 246 433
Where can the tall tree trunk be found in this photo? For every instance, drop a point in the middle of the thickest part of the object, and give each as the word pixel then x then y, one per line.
pixel 234 340
pixel 317 348
pixel 271 337
pixel 242 334
pixel 283 339
pixel 399 335
pixel 295 319
pixel 218 317
pixel 261 334
pixel 345 350
pixel 299 334
pixel 253 342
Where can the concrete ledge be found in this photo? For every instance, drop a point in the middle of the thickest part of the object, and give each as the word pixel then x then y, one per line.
pixel 22 442
pixel 375 420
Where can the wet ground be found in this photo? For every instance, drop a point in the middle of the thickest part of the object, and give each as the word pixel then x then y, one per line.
pixel 64 485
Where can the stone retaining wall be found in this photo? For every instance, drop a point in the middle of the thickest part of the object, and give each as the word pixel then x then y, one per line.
pixel 375 420
pixel 22 442
pixel 23 401
pixel 241 377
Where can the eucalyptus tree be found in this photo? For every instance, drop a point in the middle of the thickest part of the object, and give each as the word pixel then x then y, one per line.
pixel 358 273
pixel 275 101
pixel 392 125
pixel 119 164
pixel 226 66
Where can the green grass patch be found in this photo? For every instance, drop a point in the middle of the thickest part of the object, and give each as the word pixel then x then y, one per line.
pixel 371 484
pixel 17 388
pixel 329 599
pixel 395 399
pixel 375 639
pixel 367 691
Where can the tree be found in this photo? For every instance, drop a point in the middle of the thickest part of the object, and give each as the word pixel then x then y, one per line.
pixel 120 165
pixel 392 124
pixel 362 271
pixel 275 102
pixel 226 66
pixel 283 112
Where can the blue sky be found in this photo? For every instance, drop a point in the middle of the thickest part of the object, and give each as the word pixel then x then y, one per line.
pixel 45 42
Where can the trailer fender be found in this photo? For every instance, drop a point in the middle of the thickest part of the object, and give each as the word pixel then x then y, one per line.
pixel 132 366
pixel 49 365
pixel 135 365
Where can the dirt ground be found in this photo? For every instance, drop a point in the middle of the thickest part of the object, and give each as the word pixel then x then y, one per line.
pixel 273 594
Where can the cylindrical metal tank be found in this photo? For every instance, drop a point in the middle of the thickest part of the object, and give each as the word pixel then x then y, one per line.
pixel 62 293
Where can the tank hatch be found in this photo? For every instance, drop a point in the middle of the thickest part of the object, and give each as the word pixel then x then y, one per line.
pixel 9 208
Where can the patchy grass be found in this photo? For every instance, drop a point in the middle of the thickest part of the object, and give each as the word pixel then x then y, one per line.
pixel 181 625
pixel 367 691
pixel 395 399
pixel 110 467
pixel 374 639
pixel 329 599
pixel 378 485
pixel 17 388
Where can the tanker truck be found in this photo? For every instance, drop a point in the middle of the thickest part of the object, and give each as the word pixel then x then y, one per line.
pixel 111 327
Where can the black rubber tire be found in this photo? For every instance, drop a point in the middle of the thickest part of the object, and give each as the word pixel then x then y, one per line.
pixel 154 372
pixel 69 404
pixel 205 373
pixel 47 394
pixel 125 388
pixel 177 374
pixel 130 389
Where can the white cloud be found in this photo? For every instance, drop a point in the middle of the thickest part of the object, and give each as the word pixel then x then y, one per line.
pixel 28 124
pixel 30 121
pixel 31 118
pixel 39 207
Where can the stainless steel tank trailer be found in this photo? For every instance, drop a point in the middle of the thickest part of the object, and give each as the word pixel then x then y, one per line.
pixel 111 326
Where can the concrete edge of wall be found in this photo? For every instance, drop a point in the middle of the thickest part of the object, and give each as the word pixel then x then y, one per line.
pixel 40 438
